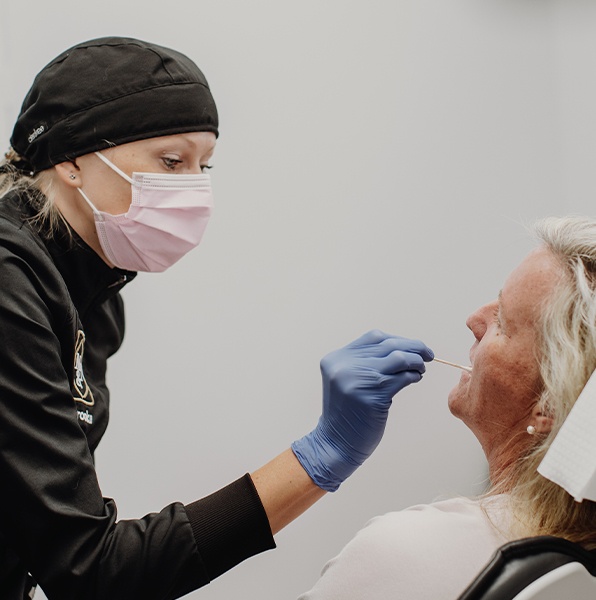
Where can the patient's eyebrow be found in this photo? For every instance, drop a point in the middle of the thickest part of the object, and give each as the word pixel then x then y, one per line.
pixel 500 297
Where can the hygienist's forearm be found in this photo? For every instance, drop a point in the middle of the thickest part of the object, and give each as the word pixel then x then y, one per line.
pixel 285 489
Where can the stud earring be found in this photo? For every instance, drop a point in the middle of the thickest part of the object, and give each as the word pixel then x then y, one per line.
pixel 531 429
pixel 72 176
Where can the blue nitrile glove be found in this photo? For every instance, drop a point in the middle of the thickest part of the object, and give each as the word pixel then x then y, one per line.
pixel 359 382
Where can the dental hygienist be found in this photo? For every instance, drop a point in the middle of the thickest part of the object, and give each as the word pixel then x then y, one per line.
pixel 106 176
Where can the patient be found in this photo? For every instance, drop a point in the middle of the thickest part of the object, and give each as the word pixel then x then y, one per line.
pixel 534 350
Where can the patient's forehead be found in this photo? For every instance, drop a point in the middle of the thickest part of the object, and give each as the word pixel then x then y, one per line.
pixel 529 285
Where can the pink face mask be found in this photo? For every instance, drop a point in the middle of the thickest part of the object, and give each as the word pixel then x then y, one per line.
pixel 167 217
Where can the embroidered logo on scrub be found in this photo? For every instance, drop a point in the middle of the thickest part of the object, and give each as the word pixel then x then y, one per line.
pixel 85 395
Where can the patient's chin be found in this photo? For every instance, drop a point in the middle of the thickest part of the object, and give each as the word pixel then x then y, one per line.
pixel 458 400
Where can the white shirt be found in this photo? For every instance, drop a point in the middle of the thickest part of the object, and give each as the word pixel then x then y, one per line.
pixel 426 552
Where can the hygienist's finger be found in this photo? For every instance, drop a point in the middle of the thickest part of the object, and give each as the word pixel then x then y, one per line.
pixel 403 344
pixel 398 362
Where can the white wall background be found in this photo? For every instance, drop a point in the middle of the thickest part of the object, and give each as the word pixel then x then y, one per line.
pixel 376 164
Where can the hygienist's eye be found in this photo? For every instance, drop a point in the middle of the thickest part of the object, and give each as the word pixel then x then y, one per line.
pixel 205 168
pixel 170 163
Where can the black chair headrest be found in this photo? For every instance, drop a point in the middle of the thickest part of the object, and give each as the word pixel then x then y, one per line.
pixel 516 564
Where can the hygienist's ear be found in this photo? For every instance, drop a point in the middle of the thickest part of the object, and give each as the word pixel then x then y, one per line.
pixel 69 173
pixel 542 423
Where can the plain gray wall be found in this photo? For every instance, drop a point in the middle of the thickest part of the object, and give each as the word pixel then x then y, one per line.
pixel 376 166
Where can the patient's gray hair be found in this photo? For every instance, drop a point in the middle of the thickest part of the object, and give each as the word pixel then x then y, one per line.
pixel 566 354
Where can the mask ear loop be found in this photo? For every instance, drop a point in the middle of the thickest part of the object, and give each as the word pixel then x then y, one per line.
pixel 95 211
pixel 114 167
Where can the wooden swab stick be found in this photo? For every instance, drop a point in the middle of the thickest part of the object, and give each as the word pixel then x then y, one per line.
pixel 446 362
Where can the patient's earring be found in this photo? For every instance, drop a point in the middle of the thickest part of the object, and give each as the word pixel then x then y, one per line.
pixel 531 429
pixel 72 176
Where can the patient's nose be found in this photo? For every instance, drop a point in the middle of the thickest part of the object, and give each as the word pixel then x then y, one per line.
pixel 478 321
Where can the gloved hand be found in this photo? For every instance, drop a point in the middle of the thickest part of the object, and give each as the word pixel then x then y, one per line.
pixel 359 382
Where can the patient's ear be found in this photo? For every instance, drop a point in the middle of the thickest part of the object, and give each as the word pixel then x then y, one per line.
pixel 542 423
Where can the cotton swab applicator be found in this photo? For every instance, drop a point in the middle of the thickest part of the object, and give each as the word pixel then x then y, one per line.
pixel 446 362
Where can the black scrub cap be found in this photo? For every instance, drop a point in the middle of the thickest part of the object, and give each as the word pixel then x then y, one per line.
pixel 107 91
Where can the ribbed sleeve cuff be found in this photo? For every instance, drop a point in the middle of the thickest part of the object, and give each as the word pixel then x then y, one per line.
pixel 230 526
